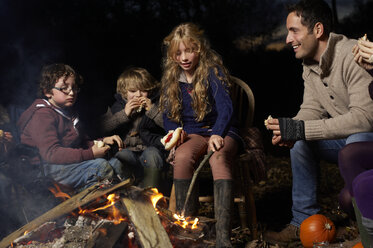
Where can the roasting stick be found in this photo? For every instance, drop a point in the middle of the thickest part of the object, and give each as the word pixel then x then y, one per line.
pixel 195 174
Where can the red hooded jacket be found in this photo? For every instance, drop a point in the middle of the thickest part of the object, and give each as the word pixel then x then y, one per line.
pixel 54 133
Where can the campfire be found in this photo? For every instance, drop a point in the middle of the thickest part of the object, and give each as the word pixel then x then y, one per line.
pixel 105 215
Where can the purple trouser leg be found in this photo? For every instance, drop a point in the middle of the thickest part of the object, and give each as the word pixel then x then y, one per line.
pixel 362 188
pixel 354 159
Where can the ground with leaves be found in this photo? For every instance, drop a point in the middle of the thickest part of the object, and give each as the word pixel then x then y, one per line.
pixel 273 204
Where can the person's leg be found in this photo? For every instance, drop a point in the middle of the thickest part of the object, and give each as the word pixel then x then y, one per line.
pixel 6 185
pixel 130 160
pixel 305 157
pixel 122 171
pixel 153 163
pixel 80 175
pixel 186 156
pixel 362 188
pixel 359 137
pixel 353 159
pixel 363 192
pixel 223 204
pixel 221 163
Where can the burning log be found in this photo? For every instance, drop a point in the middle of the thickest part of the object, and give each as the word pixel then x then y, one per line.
pixel 66 207
pixel 107 235
pixel 143 216
pixel 126 217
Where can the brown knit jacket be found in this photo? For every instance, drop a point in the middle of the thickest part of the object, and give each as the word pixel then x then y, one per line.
pixel 336 101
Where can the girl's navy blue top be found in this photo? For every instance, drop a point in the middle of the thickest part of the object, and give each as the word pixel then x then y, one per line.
pixel 218 121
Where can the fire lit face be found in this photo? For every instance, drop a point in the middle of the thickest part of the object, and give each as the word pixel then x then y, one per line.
pixel 304 43
pixel 187 58
pixel 58 98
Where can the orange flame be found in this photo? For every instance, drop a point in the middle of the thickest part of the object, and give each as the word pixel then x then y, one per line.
pixel 195 223
pixel 184 222
pixel 180 220
pixel 116 217
pixel 58 193
pixel 155 197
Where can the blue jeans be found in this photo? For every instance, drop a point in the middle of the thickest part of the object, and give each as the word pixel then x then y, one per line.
pixel 84 174
pixel 151 157
pixel 5 188
pixel 305 157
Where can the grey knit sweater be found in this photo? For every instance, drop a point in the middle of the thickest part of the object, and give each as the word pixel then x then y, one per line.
pixel 336 101
pixel 128 126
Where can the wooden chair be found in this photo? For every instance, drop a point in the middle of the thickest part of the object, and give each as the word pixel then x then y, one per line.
pixel 244 105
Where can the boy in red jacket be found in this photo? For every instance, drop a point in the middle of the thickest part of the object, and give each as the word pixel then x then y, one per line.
pixel 51 126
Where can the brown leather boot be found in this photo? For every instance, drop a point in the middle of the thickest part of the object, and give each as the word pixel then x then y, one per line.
pixel 289 234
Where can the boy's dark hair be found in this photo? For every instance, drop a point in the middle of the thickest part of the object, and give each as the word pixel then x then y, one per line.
pixel 312 12
pixel 51 73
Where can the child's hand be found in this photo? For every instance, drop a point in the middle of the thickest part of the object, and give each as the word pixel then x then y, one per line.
pixel 146 102
pixel 5 136
pixel 8 136
pixel 100 152
pixel 215 143
pixel 113 139
pixel 132 105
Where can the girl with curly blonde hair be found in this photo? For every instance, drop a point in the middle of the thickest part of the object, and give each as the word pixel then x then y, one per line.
pixel 195 96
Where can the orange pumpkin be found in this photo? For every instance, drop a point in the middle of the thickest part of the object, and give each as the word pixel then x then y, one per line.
pixel 316 228
pixel 358 245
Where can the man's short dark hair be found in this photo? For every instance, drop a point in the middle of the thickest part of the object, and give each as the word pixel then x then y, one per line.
pixel 312 12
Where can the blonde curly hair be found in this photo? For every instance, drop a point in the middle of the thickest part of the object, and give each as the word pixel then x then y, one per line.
pixel 193 38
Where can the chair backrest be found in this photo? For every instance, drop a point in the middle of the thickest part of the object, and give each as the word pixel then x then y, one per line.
pixel 243 102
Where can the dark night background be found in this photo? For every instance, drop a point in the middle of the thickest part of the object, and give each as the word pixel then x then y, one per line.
pixel 100 38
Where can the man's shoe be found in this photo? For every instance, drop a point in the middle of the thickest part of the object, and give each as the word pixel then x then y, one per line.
pixel 289 234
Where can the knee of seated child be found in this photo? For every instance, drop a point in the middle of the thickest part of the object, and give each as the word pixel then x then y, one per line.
pixel 125 154
pixel 104 169
pixel 152 157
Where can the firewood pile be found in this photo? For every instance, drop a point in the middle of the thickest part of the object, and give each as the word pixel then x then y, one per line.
pixel 118 215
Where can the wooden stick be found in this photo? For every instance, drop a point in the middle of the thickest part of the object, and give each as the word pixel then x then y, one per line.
pixel 195 174
pixel 65 207
pixel 172 202
pixel 211 199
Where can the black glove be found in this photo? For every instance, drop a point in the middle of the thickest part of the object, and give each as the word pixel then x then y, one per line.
pixel 291 130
